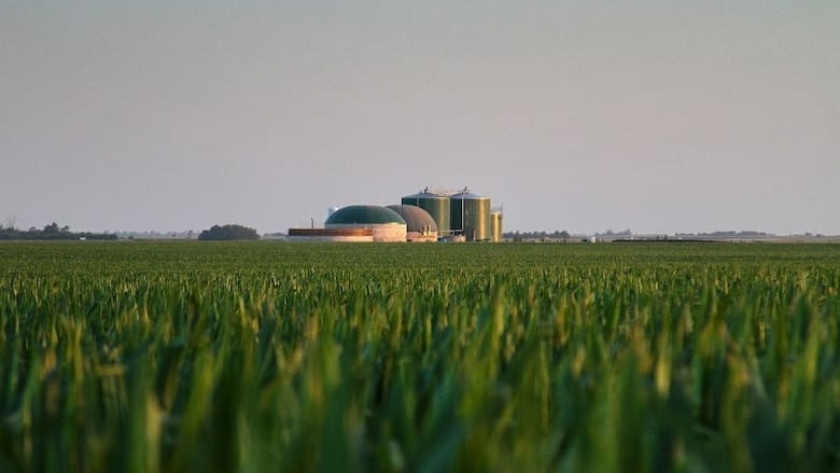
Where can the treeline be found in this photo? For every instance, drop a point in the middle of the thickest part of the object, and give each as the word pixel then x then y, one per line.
pixel 51 232
pixel 727 234
pixel 521 236
pixel 228 232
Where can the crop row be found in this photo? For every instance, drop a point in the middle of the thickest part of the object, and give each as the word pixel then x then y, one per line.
pixel 142 357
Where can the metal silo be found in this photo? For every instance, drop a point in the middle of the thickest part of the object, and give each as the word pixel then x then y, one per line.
pixel 436 204
pixel 470 215
pixel 496 225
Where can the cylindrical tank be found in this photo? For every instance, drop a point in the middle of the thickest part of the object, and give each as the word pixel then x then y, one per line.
pixel 437 205
pixel 470 215
pixel 496 225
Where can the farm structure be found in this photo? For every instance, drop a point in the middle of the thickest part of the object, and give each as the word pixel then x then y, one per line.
pixel 427 216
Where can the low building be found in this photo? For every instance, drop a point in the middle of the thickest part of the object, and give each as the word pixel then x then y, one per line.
pixel 346 235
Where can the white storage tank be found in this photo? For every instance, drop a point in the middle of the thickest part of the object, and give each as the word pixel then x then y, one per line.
pixel 386 225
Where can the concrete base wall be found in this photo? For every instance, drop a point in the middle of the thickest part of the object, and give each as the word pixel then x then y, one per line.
pixel 333 239
pixel 389 232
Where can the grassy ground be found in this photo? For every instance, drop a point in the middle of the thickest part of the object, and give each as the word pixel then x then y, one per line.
pixel 265 356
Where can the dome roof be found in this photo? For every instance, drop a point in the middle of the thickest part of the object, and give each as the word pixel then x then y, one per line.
pixel 364 215
pixel 416 219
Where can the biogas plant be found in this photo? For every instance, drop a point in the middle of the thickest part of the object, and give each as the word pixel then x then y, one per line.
pixel 427 216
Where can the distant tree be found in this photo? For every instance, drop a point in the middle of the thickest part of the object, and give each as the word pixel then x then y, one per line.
pixel 51 232
pixel 228 232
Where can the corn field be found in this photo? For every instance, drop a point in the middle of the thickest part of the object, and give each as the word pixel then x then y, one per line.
pixel 254 357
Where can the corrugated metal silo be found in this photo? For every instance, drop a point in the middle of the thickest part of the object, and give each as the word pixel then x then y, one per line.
pixel 470 215
pixel 436 204
pixel 496 225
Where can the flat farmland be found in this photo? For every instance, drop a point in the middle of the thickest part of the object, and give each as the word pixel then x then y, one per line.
pixel 269 356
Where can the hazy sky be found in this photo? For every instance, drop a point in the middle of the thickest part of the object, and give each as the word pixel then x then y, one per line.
pixel 655 115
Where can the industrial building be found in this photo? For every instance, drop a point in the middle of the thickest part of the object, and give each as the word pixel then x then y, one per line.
pixel 426 216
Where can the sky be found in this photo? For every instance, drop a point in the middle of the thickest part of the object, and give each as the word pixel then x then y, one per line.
pixel 657 116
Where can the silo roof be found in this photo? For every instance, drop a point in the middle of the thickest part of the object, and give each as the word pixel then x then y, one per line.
pixel 416 219
pixel 467 195
pixel 425 195
pixel 364 214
